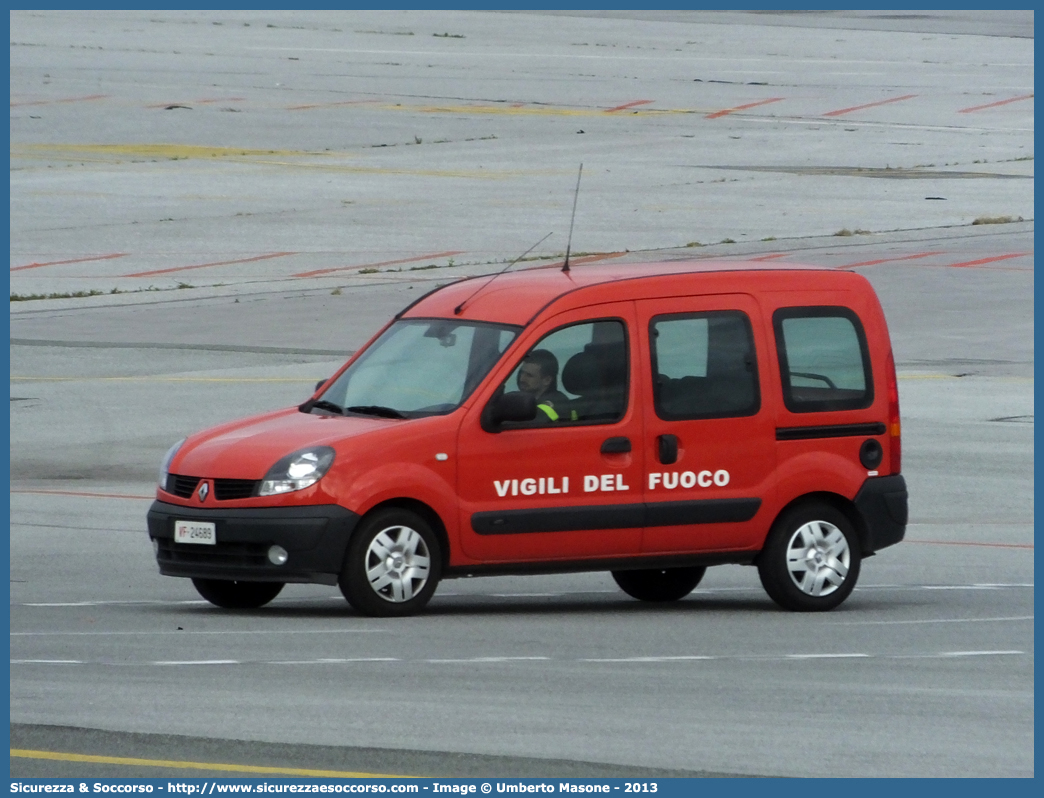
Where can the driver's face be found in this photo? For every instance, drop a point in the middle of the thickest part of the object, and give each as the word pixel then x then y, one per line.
pixel 531 380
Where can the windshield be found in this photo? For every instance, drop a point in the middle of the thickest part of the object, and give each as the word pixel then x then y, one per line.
pixel 420 367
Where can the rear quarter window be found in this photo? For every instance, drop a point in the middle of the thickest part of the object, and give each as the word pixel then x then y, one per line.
pixel 824 361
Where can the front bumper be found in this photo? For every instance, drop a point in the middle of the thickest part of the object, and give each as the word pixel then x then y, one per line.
pixel 314 537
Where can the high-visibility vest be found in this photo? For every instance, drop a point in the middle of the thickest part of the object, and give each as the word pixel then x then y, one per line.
pixel 551 414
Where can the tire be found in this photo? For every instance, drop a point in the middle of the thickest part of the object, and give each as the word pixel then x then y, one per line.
pixel 659 584
pixel 237 595
pixel 811 559
pixel 393 565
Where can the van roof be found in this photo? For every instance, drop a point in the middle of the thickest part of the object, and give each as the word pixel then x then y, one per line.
pixel 517 297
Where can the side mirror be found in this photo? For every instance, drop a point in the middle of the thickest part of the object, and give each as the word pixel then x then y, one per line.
pixel 320 384
pixel 505 407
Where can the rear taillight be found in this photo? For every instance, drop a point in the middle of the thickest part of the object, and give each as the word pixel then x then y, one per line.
pixel 895 446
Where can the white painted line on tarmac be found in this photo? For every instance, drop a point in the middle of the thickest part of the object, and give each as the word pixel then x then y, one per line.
pixel 697 591
pixel 683 658
pixel 946 587
pixel 197 662
pixel 108 603
pixel 332 661
pixel 189 632
pixel 487 660
pixel 525 595
pixel 48 662
pixel 638 660
pixel 932 620
pixel 158 602
pixel 510 659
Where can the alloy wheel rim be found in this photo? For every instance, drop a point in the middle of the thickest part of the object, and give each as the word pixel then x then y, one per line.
pixel 397 564
pixel 818 558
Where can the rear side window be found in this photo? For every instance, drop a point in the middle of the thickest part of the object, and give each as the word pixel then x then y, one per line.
pixel 704 366
pixel 823 359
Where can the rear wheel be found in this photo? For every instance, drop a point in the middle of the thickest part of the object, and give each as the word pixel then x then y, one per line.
pixel 810 562
pixel 393 564
pixel 237 595
pixel 659 584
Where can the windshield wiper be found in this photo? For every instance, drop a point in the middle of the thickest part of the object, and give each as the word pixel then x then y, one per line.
pixel 375 410
pixel 323 404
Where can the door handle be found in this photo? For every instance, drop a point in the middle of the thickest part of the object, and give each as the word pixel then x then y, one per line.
pixel 616 446
pixel 668 445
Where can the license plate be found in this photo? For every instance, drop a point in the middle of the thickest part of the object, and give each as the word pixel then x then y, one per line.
pixel 204 532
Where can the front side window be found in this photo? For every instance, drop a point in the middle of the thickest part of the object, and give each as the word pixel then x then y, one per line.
pixel 704 366
pixel 577 374
pixel 823 359
pixel 420 367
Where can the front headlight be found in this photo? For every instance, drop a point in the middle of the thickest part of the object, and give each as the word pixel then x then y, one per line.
pixel 298 471
pixel 164 471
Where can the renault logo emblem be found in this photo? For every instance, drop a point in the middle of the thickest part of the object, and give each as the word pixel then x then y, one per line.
pixel 204 490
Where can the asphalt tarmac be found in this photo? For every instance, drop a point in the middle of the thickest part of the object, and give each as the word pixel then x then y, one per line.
pixel 227 204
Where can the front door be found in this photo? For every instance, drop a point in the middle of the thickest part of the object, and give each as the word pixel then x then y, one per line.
pixel 568 485
pixel 709 434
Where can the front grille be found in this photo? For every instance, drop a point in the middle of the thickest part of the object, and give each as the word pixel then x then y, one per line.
pixel 243 555
pixel 224 489
pixel 181 486
pixel 228 489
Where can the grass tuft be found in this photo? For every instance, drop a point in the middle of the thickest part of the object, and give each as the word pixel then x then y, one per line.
pixel 998 220
pixel 67 295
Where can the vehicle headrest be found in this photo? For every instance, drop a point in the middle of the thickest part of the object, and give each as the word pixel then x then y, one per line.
pixel 582 374
pixel 598 367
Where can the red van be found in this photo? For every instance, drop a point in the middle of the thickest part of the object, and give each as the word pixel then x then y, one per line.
pixel 649 420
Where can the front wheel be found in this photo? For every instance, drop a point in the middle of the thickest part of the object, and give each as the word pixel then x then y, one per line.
pixel 237 595
pixel 659 584
pixel 811 559
pixel 393 565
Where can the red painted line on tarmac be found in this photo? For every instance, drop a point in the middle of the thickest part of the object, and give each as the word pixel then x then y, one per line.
pixel 197 102
pixel 207 265
pixel 775 256
pixel 975 108
pixel 627 105
pixel 73 260
pixel 970 543
pixel 728 111
pixel 889 260
pixel 842 111
pixel 65 100
pixel 318 272
pixel 982 261
pixel 85 493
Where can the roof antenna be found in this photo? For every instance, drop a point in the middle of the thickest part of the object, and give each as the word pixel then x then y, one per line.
pixel 457 310
pixel 576 196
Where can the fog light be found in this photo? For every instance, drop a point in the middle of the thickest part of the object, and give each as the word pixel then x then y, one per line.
pixel 277 555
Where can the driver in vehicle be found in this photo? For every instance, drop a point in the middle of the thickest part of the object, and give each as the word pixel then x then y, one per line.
pixel 538 376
